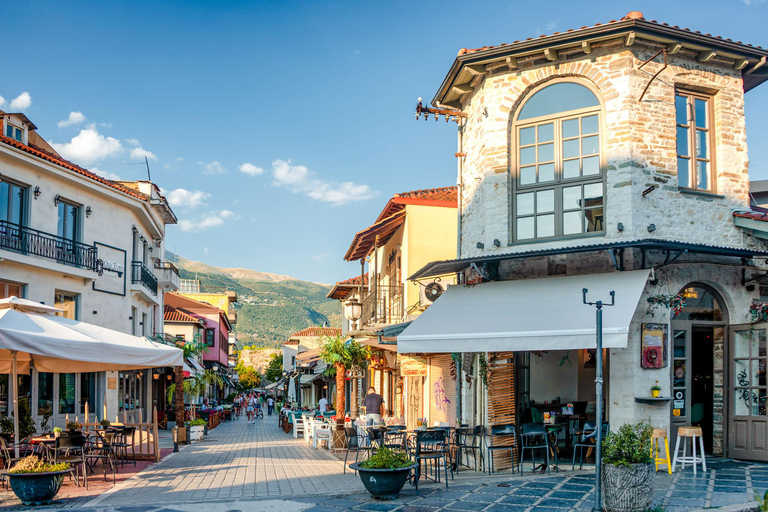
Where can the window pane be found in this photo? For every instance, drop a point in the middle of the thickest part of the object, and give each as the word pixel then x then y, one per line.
pixel 572 223
pixel 525 204
pixel 701 113
pixel 682 141
pixel 742 372
pixel 594 219
pixel 681 109
pixel 591 165
pixel 525 228
pixel 570 128
pixel 528 156
pixel 570 148
pixel 17 205
pixel 679 376
pixel 545 226
pixel 559 97
pixel 741 344
pixel 545 201
pixel 588 125
pixel 571 198
pixel 527 175
pixel 741 405
pixel 593 194
pixel 546 152
pixel 589 145
pixel 571 169
pixel 758 372
pixel 8 131
pixel 546 173
pixel 66 393
pixel 44 393
pixel 4 197
pixel 546 132
pixel 527 136
pixel 702 175
pixel 758 402
pixel 701 143
pixel 683 172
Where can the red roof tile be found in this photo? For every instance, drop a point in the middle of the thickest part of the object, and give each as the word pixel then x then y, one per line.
pixel 432 194
pixel 444 196
pixel 171 314
pixel 179 301
pixel 756 213
pixel 317 331
pixel 342 289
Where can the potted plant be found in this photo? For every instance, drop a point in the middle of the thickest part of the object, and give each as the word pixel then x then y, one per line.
pixel 655 390
pixel 628 475
pixel 57 431
pixel 196 429
pixel 105 423
pixel 384 473
pixel 36 482
pixel 73 425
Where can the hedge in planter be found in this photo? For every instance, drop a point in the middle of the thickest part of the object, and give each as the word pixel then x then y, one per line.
pixel 36 482
pixel 384 473
pixel 628 474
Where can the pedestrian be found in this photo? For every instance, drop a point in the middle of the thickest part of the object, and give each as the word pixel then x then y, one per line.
pixel 322 404
pixel 250 406
pixel 374 406
pixel 270 405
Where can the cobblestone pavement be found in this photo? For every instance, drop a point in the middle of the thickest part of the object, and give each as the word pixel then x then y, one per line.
pixel 258 467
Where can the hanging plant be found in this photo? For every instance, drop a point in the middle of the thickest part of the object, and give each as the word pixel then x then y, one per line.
pixel 483 369
pixel 758 312
pixel 566 358
pixel 455 365
pixel 674 302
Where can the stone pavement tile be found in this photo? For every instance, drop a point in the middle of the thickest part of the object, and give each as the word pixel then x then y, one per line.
pixel 449 494
pixel 514 499
pixel 723 488
pixel 693 495
pixel 486 498
pixel 493 489
pixel 530 491
pixel 414 508
pixel 322 508
pixel 555 503
pixel 577 486
pixel 508 508
pixel 687 502
pixel 341 502
pixel 382 506
pixel 469 506
pixel 433 501
pixel 568 495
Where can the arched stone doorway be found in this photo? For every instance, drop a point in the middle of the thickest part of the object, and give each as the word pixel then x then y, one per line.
pixel 698 341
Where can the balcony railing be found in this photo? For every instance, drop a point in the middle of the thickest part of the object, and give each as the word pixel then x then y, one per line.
pixel 140 274
pixel 166 265
pixel 24 240
pixel 383 304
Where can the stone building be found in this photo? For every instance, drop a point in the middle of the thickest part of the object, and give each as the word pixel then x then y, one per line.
pixel 611 158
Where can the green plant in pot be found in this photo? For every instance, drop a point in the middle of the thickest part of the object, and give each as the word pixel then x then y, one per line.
pixel 57 431
pixel 384 474
pixel 36 482
pixel 73 425
pixel 197 429
pixel 628 475
pixel 105 423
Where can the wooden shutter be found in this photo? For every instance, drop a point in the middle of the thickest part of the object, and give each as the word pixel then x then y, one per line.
pixel 501 402
pixel 442 390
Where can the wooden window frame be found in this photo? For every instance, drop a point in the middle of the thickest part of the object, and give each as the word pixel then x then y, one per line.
pixel 691 96
pixel 213 337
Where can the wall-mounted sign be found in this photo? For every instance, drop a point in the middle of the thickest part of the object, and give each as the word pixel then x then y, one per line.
pixel 413 367
pixel 654 346
pixel 678 404
pixel 112 383
pixel 113 263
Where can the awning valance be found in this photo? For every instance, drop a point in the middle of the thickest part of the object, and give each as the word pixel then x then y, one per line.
pixel 308 356
pixel 529 314
pixel 375 344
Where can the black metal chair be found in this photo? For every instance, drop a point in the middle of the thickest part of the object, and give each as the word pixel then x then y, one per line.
pixel 395 439
pixel 502 438
pixel 470 440
pixel 588 440
pixel 123 442
pixel 8 458
pixel 534 436
pixel 98 447
pixel 354 443
pixel 430 449
pixel 71 449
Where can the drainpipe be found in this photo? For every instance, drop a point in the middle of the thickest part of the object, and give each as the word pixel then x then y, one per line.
pixel 458 388
pixel 460 188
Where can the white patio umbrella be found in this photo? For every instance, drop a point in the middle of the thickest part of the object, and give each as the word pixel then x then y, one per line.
pixel 57 344
pixel 292 390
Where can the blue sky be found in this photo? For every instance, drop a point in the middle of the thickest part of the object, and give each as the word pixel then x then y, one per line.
pixel 279 129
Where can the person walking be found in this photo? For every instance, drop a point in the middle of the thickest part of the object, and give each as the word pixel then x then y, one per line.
pixel 250 407
pixel 374 406
pixel 270 405
pixel 322 404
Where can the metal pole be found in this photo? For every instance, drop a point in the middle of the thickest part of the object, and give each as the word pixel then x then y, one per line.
pixel 15 371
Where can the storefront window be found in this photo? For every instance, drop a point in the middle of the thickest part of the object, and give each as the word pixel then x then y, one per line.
pixel 700 304
pixel 4 395
pixel 66 393
pixel 88 391
pixel 44 394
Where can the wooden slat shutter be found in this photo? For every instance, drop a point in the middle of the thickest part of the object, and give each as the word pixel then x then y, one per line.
pixel 442 391
pixel 501 402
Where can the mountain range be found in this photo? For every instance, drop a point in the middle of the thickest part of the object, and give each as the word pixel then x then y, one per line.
pixel 270 306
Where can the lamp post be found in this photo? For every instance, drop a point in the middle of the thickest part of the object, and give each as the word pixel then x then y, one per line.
pixel 353 311
pixel 598 394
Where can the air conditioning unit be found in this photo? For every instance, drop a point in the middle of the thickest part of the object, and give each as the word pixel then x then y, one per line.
pixel 429 293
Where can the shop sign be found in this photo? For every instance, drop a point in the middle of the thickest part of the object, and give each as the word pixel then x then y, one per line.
pixel 413 367
pixel 112 383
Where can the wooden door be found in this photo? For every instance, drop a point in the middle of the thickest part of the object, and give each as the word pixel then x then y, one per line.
pixel 501 402
pixel 747 423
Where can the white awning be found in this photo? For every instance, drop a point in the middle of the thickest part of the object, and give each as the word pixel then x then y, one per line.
pixel 528 314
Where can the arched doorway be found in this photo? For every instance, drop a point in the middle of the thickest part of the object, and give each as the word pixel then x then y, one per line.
pixel 698 337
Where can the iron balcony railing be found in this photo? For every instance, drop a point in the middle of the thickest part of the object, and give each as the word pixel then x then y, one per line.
pixel 166 265
pixel 25 240
pixel 140 274
pixel 383 304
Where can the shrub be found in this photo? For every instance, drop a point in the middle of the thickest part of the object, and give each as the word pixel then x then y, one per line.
pixel 762 503
pixel 199 422
pixel 71 425
pixel 630 445
pixel 105 423
pixel 58 430
pixel 32 464
pixel 386 458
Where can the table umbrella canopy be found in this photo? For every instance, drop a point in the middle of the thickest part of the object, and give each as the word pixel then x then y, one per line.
pixel 28 306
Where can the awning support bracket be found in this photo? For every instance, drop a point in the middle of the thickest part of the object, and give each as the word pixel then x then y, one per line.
pixel 744 279
pixel 617 257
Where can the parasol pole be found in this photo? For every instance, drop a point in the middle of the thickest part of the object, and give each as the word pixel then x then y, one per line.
pixel 15 371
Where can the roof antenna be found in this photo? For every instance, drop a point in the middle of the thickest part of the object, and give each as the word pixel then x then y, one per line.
pixel 146 161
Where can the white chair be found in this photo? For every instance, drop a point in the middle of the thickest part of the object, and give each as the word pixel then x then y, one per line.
pixel 309 427
pixel 323 433
pixel 298 426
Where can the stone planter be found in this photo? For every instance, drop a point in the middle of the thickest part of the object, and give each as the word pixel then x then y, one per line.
pixel 383 484
pixel 196 433
pixel 627 488
pixel 36 488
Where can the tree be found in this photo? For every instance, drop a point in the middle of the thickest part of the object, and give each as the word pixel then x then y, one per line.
pixel 275 367
pixel 341 355
pixel 249 377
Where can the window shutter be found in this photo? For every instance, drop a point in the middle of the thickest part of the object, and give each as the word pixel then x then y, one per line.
pixel 442 391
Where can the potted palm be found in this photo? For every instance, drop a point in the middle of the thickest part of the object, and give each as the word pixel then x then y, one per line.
pixel 384 474
pixel 36 482
pixel 628 475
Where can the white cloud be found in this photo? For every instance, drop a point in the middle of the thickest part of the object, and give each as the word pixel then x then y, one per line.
pixel 105 174
pixel 321 256
pixel 173 166
pixel 753 2
pixel 213 168
pixel 133 142
pixel 139 153
pixel 299 179
pixel 89 146
pixel 21 102
pixel 2 101
pixel 186 198
pixel 250 169
pixel 211 220
pixel 205 250
pixel 75 117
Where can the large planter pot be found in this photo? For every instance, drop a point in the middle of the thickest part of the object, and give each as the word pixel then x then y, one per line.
pixel 196 433
pixel 36 488
pixel 627 488
pixel 383 484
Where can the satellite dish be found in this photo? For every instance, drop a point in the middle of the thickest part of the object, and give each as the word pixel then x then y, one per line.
pixel 432 291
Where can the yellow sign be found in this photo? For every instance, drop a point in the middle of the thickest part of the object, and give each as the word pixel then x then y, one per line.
pixel 112 383
pixel 675 412
pixel 413 367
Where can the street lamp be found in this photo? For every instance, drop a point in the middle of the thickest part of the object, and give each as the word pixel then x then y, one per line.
pixel 353 311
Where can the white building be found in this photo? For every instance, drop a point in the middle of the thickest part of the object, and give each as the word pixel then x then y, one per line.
pixel 90 246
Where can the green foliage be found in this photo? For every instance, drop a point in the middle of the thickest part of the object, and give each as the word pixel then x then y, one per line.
pixel 58 430
pixel 386 458
pixel 44 423
pixel 350 353
pixel 6 425
pixel 73 426
pixel 630 445
pixel 199 422
pixel 656 508
pixel 249 377
pixel 762 503
pixel 230 397
pixel 274 368
pixel 32 464
pixel 105 423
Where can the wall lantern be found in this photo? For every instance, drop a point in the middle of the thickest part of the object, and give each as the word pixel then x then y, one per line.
pixel 88 211
pixel 156 376
pixel 57 200
pixel 37 192
pixel 215 368
pixel 353 311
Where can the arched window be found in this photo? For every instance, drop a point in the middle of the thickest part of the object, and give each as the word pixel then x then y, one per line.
pixel 558 166
pixel 700 304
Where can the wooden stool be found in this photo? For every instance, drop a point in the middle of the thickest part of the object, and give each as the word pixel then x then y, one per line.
pixel 689 432
pixel 658 435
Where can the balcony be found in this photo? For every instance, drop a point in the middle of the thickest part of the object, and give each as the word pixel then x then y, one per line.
pixel 167 275
pixel 383 304
pixel 31 242
pixel 143 277
pixel 232 317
